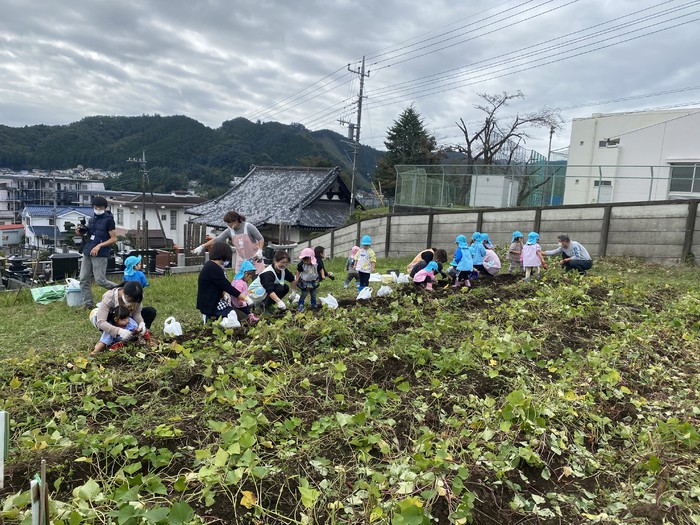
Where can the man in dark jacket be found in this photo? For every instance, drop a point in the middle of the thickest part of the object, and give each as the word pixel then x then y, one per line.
pixel 99 234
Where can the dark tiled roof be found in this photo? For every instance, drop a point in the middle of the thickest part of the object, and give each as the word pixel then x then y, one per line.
pixel 274 195
pixel 324 214
pixel 45 230
pixel 47 211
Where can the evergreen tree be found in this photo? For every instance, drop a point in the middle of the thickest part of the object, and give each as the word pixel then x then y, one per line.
pixel 407 142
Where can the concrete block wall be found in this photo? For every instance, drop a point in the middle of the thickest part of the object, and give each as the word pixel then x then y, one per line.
pixel 581 224
pixel 500 225
pixel 695 245
pixel 656 232
pixel 661 232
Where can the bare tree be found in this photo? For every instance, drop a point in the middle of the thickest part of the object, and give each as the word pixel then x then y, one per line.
pixel 500 140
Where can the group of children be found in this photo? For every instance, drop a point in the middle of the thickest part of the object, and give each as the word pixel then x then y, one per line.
pixel 217 297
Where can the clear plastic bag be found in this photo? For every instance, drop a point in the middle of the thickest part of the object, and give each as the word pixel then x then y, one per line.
pixel 330 301
pixel 231 320
pixel 403 278
pixel 384 291
pixel 171 327
pixel 365 293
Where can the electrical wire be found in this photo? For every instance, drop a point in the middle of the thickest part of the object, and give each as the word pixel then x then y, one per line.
pixel 518 69
pixel 452 73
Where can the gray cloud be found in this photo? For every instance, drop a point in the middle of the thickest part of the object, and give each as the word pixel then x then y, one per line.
pixel 218 60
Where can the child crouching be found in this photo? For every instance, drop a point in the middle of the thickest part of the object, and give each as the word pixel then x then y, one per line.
pixel 424 278
pixel 240 282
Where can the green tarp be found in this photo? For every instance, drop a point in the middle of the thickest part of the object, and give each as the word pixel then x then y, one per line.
pixel 48 294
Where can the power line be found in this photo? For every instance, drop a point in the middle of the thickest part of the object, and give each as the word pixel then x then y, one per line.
pixel 506 72
pixel 293 95
pixel 452 73
pixel 511 15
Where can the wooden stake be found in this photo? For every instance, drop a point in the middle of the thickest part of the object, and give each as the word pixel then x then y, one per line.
pixel 4 444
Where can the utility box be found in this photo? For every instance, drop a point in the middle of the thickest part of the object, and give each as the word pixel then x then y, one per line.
pixel 64 265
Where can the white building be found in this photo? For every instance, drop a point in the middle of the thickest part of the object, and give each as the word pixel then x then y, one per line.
pixel 638 156
pixel 168 211
pixel 43 224
pixel 18 190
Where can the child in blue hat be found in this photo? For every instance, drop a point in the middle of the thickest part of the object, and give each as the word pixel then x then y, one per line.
pixel 365 261
pixel 532 256
pixel 515 252
pixel 240 282
pixel 424 278
pixel 132 270
pixel 462 262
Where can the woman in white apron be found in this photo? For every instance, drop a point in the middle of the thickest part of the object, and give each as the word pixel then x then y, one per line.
pixel 245 239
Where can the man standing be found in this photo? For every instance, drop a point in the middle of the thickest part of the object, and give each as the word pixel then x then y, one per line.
pixel 100 233
pixel 573 255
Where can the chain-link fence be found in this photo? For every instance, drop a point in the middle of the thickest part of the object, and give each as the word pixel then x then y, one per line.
pixel 541 184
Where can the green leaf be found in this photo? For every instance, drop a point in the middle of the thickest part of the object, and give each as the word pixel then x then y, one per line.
pixel 221 458
pixel 180 514
pixel 180 484
pixel 403 387
pixel 156 514
pixel 516 398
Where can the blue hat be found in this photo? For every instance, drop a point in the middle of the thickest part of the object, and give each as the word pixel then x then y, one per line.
pixel 516 234
pixel 432 266
pixel 461 241
pixel 246 266
pixel 129 264
pixel 476 236
pixel 366 240
pixel 533 237
pixel 485 238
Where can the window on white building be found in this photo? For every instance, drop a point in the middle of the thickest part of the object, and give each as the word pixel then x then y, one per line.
pixel 685 178
pixel 120 216
pixel 609 143
pixel 173 219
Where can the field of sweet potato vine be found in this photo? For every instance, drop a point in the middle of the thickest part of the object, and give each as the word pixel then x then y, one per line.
pixel 566 400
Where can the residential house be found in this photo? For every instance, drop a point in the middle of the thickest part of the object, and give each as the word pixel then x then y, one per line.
pixel 18 190
pixel 165 214
pixel 11 234
pixel 44 224
pixel 287 204
pixel 636 156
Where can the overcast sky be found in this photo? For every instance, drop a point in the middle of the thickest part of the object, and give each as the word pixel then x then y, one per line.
pixel 287 60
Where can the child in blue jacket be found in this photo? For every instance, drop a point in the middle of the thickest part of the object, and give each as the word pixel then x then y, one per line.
pixel 478 252
pixel 463 262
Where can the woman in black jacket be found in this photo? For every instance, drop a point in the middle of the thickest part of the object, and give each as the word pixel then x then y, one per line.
pixel 213 285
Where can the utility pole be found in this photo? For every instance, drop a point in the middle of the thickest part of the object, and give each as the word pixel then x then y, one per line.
pixel 144 222
pixel 356 145
pixel 55 225
pixel 546 169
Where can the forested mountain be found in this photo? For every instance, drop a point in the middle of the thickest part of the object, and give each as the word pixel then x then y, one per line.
pixel 178 149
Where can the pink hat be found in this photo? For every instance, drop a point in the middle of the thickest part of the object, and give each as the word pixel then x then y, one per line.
pixel 308 252
pixel 354 250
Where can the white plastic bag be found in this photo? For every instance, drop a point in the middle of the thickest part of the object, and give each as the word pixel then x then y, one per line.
pixel 384 291
pixel 330 301
pixel 72 284
pixel 365 293
pixel 375 277
pixel 394 277
pixel 172 327
pixel 230 321
pixel 402 278
pixel 294 297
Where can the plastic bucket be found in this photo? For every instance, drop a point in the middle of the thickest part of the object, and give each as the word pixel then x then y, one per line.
pixel 73 297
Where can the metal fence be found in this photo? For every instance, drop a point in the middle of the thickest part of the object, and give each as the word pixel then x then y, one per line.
pixel 549 184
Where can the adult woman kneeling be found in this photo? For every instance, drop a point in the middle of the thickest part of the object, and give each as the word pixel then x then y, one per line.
pixel 130 295
pixel 212 286
pixel 272 280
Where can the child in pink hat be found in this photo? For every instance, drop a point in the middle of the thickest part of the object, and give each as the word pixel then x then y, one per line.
pixel 350 266
pixel 307 277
